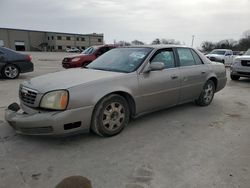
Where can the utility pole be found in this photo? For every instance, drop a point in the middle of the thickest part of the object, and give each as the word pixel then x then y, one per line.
pixel 192 40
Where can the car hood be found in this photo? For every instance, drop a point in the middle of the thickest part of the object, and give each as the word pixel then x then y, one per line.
pixel 68 78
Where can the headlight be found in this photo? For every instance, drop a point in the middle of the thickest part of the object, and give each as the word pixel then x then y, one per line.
pixel 55 100
pixel 75 59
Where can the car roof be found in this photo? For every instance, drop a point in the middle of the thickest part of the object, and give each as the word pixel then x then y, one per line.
pixel 160 46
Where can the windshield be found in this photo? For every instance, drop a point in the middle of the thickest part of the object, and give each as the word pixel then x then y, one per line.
pixel 121 60
pixel 89 50
pixel 247 52
pixel 218 52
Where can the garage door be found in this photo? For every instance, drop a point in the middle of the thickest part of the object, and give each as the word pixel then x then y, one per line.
pixel 20 46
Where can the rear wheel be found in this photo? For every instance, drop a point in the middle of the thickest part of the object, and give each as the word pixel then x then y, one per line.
pixel 234 77
pixel 207 94
pixel 110 116
pixel 10 71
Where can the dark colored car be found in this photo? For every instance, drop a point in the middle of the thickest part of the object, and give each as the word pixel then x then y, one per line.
pixel 13 63
pixel 86 57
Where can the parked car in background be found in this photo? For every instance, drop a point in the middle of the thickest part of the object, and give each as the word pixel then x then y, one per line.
pixel 86 57
pixel 241 66
pixel 13 63
pixel 224 56
pixel 238 53
pixel 73 50
pixel 123 83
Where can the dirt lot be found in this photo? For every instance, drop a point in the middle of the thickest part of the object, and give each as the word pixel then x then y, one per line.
pixel 185 146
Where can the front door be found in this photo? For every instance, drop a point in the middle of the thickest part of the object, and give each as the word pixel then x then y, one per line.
pixel 159 89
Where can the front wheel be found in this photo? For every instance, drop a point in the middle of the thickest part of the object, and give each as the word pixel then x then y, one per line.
pixel 10 72
pixel 110 116
pixel 207 94
pixel 234 77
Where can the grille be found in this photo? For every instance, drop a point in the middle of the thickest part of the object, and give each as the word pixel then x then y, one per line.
pixel 245 63
pixel 27 95
pixel 37 130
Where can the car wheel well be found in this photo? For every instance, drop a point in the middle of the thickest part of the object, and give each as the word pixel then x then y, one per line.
pixel 2 70
pixel 128 98
pixel 215 81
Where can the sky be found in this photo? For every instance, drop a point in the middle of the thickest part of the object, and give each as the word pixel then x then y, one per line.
pixel 127 20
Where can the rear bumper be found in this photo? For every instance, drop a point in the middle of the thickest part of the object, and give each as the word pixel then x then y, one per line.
pixel 50 122
pixel 26 66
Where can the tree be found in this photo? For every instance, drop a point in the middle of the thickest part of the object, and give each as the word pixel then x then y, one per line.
pixel 137 42
pixel 170 41
pixel 207 46
pixel 123 43
pixel 156 41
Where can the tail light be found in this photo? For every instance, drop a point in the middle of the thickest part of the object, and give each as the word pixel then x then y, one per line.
pixel 29 57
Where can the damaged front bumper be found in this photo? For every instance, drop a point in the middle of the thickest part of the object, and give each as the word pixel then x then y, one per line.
pixel 49 122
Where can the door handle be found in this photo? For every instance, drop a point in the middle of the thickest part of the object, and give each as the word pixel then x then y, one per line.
pixel 174 76
pixel 203 72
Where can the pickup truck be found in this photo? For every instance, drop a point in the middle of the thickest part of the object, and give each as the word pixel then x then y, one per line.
pixel 224 56
pixel 241 66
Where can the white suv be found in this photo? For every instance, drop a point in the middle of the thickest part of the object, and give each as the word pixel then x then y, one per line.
pixel 224 56
pixel 241 66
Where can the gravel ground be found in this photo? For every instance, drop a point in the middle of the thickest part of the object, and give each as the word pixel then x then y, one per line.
pixel 185 146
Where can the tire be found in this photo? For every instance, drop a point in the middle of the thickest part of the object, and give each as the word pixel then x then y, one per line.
pixel 234 77
pixel 10 71
pixel 110 116
pixel 207 94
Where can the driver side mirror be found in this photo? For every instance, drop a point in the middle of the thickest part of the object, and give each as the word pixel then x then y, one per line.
pixel 155 66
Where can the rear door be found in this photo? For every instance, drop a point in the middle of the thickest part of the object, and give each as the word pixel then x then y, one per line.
pixel 193 74
pixel 159 89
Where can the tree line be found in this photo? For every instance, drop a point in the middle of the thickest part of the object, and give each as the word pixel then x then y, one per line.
pixel 241 45
pixel 155 41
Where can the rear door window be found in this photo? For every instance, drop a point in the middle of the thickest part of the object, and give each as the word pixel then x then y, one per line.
pixel 185 56
pixel 197 58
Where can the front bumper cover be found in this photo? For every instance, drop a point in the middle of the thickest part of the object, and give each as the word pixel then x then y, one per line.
pixel 49 122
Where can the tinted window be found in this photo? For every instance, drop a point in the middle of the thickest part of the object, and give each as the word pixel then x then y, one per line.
pixel 196 58
pixel 165 56
pixel 185 57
